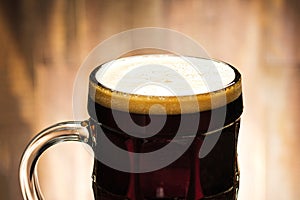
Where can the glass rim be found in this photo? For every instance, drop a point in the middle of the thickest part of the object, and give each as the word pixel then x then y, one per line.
pixel 99 92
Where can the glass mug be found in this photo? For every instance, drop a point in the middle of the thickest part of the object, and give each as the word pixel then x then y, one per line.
pixel 161 127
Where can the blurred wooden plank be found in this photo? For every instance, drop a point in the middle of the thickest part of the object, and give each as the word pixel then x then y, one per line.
pixel 17 110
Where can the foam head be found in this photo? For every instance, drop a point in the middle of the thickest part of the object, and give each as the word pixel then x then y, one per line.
pixel 167 80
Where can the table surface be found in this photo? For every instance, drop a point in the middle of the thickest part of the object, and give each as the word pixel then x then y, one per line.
pixel 43 44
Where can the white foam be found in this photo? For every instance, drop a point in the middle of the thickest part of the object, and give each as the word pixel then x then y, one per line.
pixel 165 75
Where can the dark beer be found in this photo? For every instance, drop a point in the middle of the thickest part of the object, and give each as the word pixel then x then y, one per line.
pixel 215 176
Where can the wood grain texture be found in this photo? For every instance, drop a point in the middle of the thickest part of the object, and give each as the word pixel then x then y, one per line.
pixel 43 44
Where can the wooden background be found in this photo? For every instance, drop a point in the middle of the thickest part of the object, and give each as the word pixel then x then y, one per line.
pixel 43 43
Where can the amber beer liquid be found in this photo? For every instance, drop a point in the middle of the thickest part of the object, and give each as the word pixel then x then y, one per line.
pixel 215 176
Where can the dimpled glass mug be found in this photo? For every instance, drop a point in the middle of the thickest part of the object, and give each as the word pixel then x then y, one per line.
pixel 161 126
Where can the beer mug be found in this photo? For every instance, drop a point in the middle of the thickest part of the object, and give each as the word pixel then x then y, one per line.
pixel 161 126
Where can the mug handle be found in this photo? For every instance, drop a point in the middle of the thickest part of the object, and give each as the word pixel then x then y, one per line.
pixel 65 131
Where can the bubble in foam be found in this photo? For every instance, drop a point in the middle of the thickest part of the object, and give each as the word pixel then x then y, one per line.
pixel 153 75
